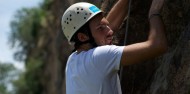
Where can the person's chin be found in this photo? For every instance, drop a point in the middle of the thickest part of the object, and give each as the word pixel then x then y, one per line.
pixel 110 42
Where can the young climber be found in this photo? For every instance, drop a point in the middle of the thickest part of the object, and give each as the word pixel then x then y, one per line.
pixel 93 67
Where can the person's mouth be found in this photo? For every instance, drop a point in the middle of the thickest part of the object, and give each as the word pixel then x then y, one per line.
pixel 110 40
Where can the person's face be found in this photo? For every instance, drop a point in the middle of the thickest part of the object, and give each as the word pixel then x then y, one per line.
pixel 101 31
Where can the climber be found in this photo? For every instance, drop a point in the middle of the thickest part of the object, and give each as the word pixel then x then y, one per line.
pixel 93 67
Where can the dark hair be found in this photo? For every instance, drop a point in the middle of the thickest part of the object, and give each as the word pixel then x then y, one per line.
pixel 84 29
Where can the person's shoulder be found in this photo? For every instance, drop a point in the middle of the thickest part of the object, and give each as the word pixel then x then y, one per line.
pixel 105 48
pixel 71 55
pixel 108 47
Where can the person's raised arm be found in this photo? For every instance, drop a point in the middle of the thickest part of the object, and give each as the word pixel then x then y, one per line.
pixel 156 43
pixel 117 14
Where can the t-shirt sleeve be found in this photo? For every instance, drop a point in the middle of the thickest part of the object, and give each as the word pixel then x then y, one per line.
pixel 107 58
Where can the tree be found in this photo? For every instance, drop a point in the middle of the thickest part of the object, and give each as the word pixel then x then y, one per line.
pixel 31 33
pixel 28 35
pixel 25 31
pixel 7 73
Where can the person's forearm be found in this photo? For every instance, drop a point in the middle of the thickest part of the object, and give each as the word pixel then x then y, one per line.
pixel 157 38
pixel 117 14
pixel 157 34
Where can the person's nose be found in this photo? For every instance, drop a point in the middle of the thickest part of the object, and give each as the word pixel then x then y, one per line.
pixel 109 31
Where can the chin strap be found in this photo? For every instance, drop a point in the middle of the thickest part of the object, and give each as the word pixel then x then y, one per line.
pixel 91 41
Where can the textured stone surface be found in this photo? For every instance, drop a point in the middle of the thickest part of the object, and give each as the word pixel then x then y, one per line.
pixel 167 74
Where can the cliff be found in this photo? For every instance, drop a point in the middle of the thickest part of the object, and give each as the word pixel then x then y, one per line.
pixel 167 74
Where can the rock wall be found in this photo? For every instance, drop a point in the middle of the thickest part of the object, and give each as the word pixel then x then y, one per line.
pixel 167 74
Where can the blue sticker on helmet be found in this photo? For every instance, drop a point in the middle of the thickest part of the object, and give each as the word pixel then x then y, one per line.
pixel 94 9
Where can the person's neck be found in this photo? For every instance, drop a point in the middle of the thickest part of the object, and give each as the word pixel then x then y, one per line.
pixel 84 47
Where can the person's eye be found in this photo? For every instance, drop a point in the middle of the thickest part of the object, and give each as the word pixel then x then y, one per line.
pixel 102 27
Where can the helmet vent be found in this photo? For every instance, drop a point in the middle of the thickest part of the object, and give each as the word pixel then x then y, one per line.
pixel 74 27
pixel 77 12
pixel 84 17
pixel 70 19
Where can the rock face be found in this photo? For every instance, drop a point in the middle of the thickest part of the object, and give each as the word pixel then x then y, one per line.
pixel 167 74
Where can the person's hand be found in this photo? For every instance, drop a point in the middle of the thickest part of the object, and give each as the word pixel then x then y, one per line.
pixel 156 7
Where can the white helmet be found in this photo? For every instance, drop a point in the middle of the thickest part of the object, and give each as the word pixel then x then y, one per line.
pixel 76 16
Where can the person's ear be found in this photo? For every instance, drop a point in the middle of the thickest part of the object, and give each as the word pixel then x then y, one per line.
pixel 82 37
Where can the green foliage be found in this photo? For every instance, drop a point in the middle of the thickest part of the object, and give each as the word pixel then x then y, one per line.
pixel 29 81
pixel 27 33
pixel 7 73
pixel 3 89
pixel 46 4
pixel 33 75
pixel 20 86
pixel 25 30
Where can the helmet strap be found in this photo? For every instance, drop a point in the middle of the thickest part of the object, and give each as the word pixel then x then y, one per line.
pixel 92 40
pixel 86 30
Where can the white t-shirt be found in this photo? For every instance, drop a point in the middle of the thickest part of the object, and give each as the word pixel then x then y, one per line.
pixel 94 71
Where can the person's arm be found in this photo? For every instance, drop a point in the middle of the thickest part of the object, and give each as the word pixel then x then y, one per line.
pixel 156 43
pixel 117 14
